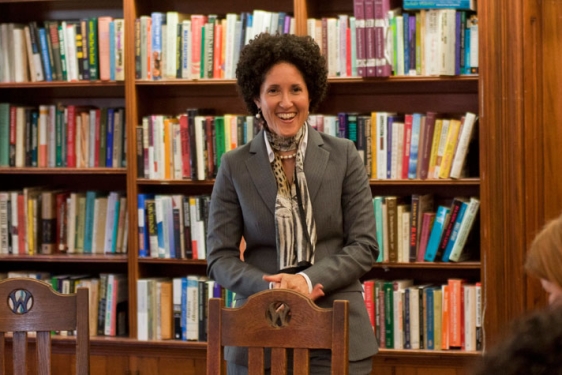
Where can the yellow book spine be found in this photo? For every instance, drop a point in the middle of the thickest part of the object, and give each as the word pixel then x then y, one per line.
pixel 434 147
pixel 450 146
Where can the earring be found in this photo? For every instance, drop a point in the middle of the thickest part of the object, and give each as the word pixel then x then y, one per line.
pixel 258 115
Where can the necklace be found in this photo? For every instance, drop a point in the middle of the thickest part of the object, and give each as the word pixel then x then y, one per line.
pixel 290 156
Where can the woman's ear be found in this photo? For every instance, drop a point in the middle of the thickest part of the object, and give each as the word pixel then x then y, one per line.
pixel 257 102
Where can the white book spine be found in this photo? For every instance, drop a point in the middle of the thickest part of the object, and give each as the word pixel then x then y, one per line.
pixel 462 146
pixel 71 59
pixel 186 49
pixel 176 152
pixel 172 19
pixel 119 49
pixel 142 310
pixel 20 55
pixel 14 218
pixel 199 146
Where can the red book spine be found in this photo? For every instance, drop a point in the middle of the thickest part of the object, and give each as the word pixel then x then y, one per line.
pixel 184 134
pixel 71 137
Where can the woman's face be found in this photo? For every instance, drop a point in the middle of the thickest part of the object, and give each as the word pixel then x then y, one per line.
pixel 553 290
pixel 284 99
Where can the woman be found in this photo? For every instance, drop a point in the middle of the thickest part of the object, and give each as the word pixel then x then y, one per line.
pixel 544 259
pixel 301 199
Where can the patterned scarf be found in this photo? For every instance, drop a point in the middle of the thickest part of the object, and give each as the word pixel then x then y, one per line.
pixel 295 228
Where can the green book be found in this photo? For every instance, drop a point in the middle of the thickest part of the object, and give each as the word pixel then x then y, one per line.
pixel 219 140
pixel 4 134
pixel 62 45
pixel 59 138
pixel 203 69
pixel 93 49
pixel 80 223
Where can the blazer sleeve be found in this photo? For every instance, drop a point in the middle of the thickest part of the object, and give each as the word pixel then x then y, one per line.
pixel 224 233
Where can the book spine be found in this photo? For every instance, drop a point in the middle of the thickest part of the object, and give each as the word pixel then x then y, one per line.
pixel 45 54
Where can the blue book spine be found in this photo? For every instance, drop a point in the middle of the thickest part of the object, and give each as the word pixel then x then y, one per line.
pixel 89 223
pixel 429 316
pixel 342 130
pixel 109 138
pixel 377 204
pixel 281 23
pixel 466 66
pixel 158 204
pixel 412 41
pixel 454 232
pixel 183 319
pixel 438 4
pixel 144 249
pixel 436 232
pixel 388 149
pixel 157 21
pixel 458 39
pixel 414 145
pixel 112 51
pixel 45 54
pixel 115 225
pixel 406 34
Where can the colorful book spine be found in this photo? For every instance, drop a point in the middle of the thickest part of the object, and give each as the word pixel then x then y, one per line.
pixel 45 54
pixel 440 4
pixel 436 232
pixel 454 232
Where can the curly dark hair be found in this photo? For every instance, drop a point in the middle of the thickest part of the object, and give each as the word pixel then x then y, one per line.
pixel 532 347
pixel 266 50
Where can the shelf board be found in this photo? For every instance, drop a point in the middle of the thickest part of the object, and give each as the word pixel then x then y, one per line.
pixel 331 80
pixel 427 354
pixel 62 258
pixel 448 181
pixel 53 84
pixel 425 265
pixel 35 170
pixel 200 262
pixel 145 181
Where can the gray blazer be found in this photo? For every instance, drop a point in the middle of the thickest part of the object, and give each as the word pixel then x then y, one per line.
pixel 243 204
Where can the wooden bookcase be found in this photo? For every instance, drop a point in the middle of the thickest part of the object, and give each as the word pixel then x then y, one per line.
pixel 517 97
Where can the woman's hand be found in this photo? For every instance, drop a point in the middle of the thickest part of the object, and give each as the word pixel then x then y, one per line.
pixel 296 283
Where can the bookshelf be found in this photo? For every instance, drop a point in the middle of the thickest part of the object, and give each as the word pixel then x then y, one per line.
pixel 516 197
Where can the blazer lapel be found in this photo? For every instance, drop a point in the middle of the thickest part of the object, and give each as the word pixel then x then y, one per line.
pixel 260 171
pixel 315 162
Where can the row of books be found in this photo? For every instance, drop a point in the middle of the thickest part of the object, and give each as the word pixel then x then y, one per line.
pixel 393 146
pixel 108 298
pixel 174 45
pixel 393 41
pixel 86 49
pixel 407 315
pixel 173 226
pixel 67 136
pixel 38 220
pixel 406 146
pixel 415 229
pixel 176 308
pixel 191 144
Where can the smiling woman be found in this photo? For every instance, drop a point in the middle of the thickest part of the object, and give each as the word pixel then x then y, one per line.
pixel 299 198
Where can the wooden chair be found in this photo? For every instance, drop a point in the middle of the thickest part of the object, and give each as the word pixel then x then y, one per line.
pixel 29 305
pixel 278 319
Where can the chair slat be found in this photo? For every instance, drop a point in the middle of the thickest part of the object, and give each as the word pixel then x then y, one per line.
pixel 2 351
pixel 20 353
pixel 301 361
pixel 278 361
pixel 255 361
pixel 44 353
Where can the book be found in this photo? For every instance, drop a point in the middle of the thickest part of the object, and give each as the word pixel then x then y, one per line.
pixel 462 145
pixel 464 230
pixel 456 209
pixel 456 310
pixel 441 220
pixel 454 232
pixel 439 4
pixel 428 218
pixel 450 146
pixel 421 203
